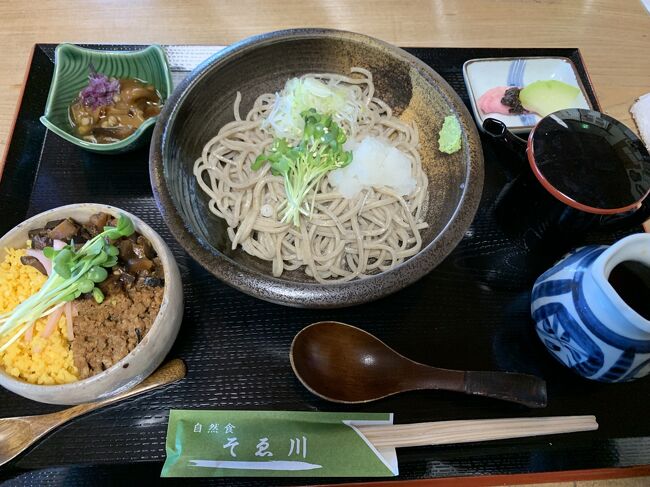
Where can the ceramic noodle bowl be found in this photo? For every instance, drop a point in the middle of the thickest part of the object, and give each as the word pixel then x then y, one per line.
pixel 583 320
pixel 203 103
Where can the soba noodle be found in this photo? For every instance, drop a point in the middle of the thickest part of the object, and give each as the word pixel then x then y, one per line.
pixel 342 239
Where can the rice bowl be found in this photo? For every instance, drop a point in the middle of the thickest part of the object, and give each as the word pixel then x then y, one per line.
pixel 139 362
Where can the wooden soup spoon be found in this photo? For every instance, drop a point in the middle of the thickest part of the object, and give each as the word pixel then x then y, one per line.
pixel 345 364
pixel 19 433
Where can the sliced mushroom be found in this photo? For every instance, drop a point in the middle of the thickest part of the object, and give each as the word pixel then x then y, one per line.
pixel 139 264
pixel 34 262
pixel 113 133
pixel 126 249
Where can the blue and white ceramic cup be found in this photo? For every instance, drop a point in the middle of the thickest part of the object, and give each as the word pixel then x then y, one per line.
pixel 584 322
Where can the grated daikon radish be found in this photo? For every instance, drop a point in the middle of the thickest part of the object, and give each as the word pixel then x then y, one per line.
pixel 375 163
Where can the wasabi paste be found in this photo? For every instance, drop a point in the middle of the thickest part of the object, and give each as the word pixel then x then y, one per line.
pixel 449 135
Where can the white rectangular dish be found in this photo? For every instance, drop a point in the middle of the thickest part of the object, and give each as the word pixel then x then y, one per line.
pixel 483 74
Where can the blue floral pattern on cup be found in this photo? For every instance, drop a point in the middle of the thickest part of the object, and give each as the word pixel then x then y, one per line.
pixel 584 323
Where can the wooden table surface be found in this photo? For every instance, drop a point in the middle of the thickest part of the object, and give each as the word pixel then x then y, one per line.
pixel 614 35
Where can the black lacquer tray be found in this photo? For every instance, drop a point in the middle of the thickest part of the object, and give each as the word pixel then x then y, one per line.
pixel 472 312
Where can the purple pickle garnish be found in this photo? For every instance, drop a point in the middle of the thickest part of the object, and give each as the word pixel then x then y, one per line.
pixel 100 90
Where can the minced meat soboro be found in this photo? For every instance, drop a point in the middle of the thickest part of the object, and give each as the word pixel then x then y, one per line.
pixel 106 332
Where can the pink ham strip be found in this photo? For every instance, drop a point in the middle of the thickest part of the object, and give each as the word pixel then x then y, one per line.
pixel 47 263
pixel 52 322
pixel 68 315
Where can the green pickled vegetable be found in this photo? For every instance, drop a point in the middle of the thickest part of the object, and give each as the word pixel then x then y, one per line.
pixel 545 97
pixel 449 137
pixel 303 166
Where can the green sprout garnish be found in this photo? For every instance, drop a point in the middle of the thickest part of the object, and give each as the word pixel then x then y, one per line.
pixel 303 166
pixel 74 272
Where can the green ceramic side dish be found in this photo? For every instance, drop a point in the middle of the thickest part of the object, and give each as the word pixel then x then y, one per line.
pixel 71 69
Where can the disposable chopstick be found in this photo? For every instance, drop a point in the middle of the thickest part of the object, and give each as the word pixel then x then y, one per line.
pixel 464 431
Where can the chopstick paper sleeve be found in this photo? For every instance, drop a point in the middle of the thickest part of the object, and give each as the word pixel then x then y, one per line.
pixel 203 443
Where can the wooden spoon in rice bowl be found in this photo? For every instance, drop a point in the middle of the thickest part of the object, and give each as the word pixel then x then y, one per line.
pixel 118 321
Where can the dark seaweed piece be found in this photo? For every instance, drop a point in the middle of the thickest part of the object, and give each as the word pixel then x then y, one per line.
pixel 34 262
pixel 511 100
pixel 151 281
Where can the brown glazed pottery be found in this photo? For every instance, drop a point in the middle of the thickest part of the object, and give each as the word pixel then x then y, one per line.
pixel 203 103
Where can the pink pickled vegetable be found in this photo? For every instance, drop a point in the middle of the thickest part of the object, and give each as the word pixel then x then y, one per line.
pixel 29 334
pixel 490 101
pixel 68 316
pixel 58 244
pixel 52 321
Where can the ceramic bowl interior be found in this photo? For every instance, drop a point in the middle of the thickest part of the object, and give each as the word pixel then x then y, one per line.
pixel 203 103
pixel 145 357
pixel 71 68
